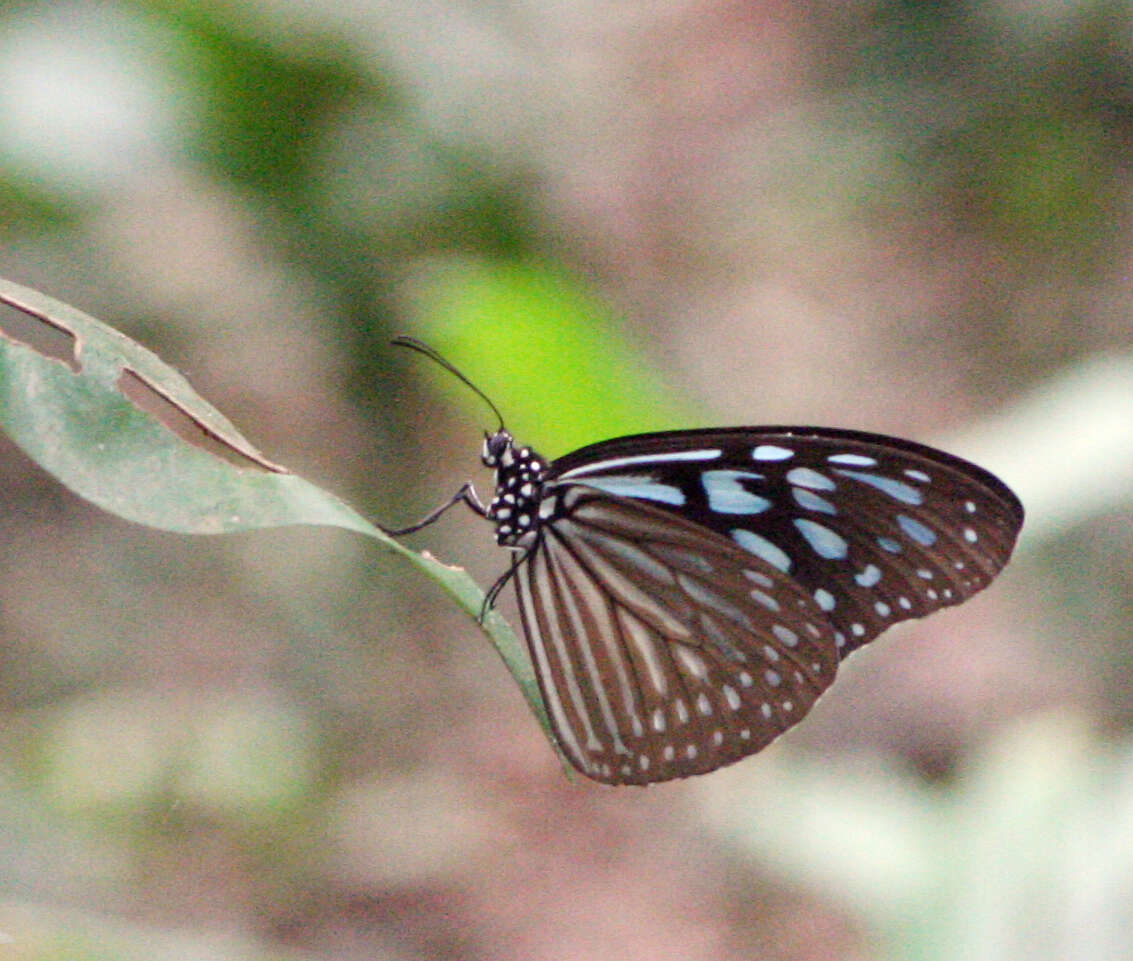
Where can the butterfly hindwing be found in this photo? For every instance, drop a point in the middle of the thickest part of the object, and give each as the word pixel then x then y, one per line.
pixel 663 649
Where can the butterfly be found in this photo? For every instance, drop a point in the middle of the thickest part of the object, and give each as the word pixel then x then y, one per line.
pixel 687 596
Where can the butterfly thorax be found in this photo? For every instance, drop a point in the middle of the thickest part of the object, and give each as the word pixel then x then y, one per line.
pixel 519 481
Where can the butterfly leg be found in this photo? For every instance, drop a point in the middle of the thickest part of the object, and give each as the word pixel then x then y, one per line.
pixel 466 495
pixel 494 590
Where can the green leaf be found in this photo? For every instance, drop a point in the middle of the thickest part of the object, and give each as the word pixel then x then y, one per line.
pixel 124 430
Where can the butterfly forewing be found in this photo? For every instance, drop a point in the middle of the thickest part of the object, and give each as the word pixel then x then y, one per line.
pixel 662 649
pixel 876 529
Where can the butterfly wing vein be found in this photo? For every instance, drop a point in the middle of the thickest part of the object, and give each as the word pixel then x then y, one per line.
pixel 662 649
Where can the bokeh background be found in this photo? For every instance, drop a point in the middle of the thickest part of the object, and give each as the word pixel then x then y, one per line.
pixel 909 217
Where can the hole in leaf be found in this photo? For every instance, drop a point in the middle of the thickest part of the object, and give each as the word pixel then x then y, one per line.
pixel 181 422
pixel 43 336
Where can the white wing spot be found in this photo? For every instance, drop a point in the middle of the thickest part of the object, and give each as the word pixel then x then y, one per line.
pixel 692 662
pixel 924 573
pixel 643 762
pixel 726 495
pixel 970 506
pixel 761 579
pixel 765 710
pixel 898 490
pixel 765 599
pixel 770 653
pixel 732 697
pixel 599 466
pixel 691 752
pixel 823 541
pixel 746 679
pixel 668 754
pixel 839 639
pixel 882 608
pixel 853 460
pixel 762 547
pixel 771 452
pixel 682 710
pixel 970 535
pixel 809 500
pixel 773 678
pixel 869 576
pixel 640 486
pixel 916 530
pixel 825 599
pixel 788 706
pixel 658 720
pixel 717 738
pixel 806 477
pixel 918 475
pixel 857 630
pixel 703 704
pixel 785 634
pixel 905 602
pixel 745 734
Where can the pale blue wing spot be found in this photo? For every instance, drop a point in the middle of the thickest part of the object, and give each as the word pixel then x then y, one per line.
pixel 765 599
pixel 918 475
pixel 882 609
pixel 853 460
pixel 726 495
pixel 597 467
pixel 812 502
pixel 890 545
pixel 785 634
pixel 869 576
pixel 762 547
pixel 805 477
pixel 916 530
pixel 640 486
pixel 898 490
pixel 771 452
pixel 761 579
pixel 823 541
pixel 824 599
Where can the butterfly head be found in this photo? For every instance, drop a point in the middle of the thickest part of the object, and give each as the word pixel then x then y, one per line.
pixel 519 480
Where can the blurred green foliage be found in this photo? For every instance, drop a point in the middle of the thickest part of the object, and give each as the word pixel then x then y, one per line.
pixel 511 326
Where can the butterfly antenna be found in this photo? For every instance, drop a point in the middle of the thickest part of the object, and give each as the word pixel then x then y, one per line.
pixel 422 348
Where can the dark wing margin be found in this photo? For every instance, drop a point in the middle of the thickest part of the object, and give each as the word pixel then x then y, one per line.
pixel 662 649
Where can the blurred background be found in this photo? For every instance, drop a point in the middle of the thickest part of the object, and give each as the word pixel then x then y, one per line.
pixel 907 217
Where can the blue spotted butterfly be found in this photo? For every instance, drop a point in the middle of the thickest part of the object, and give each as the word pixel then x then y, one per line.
pixel 687 596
